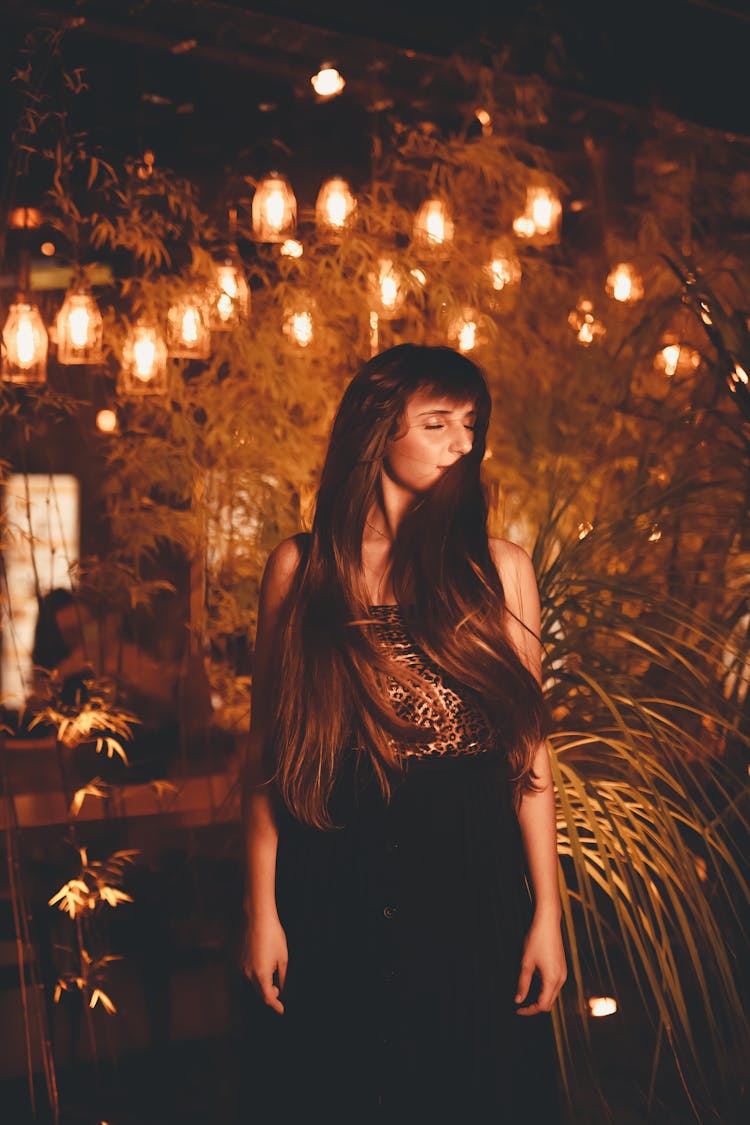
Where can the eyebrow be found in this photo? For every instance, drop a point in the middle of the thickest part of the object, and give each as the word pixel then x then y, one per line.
pixel 422 412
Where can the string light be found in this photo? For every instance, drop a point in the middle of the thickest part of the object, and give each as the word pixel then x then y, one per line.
pixel 25 341
pixel 327 83
pixel 503 270
pixel 334 206
pixel 584 529
pixel 274 210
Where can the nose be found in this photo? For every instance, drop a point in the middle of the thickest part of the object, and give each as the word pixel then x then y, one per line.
pixel 461 440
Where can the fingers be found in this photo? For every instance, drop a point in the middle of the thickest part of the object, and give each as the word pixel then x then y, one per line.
pixel 283 962
pixel 524 981
pixel 547 997
pixel 268 991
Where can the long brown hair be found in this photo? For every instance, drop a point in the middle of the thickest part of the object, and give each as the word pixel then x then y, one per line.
pixel 331 674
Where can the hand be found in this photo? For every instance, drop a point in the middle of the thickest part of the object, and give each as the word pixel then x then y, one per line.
pixel 265 953
pixel 543 952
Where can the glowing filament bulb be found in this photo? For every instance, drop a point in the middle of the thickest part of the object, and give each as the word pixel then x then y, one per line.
pixel 524 226
pixel 79 321
pixel 106 421
pixel 302 328
pixel 337 208
pixel 25 348
pixel 602 1005
pixel 467 336
pixel 291 248
pixel 585 333
pixel 671 356
pixel 435 225
pixel 144 357
pixel 623 286
pixel 542 214
pixel 275 209
pixel 327 82
pixel 190 325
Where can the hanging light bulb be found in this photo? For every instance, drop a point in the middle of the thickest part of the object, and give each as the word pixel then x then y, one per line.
pixel 503 272
pixel 387 289
pixel 334 206
pixel 24 345
pixel 188 332
pixel 144 361
pixel 292 248
pixel 106 421
pixel 433 225
pixel 463 330
pixel 231 303
pixel 541 218
pixel 274 211
pixel 299 320
pixel 625 283
pixel 677 359
pixel 79 329
pixel 327 82
pixel 582 320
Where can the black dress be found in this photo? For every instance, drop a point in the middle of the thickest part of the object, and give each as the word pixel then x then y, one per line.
pixel 405 931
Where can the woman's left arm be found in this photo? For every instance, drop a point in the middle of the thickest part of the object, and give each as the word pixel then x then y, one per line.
pixel 543 948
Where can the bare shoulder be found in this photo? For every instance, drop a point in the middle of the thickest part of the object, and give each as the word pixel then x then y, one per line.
pixel 510 559
pixel 282 565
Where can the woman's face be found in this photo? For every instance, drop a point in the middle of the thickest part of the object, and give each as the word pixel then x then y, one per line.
pixel 434 433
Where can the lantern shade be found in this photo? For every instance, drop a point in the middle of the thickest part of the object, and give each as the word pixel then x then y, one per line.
pixel 188 331
pixel 433 224
pixel 24 345
pixel 274 211
pixel 540 221
pixel 144 361
pixel 231 302
pixel 79 330
pixel 334 207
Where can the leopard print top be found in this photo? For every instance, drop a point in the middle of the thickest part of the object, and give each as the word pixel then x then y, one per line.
pixel 446 704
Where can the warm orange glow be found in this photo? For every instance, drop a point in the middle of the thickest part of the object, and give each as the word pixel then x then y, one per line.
pixel 25 340
pixel 504 268
pixel 188 334
pixel 433 225
pixel 327 82
pixel 677 358
pixel 274 210
pixel 584 529
pixel 106 421
pixel 587 328
pixel 144 360
pixel 24 218
pixel 79 330
pixel 299 327
pixel 335 205
pixel 625 283
pixel 602 1005
pixel 232 302
pixel 48 249
pixel 291 248
pixel 541 216
pixel 388 289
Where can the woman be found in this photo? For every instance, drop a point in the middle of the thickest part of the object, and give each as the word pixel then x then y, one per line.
pixel 403 915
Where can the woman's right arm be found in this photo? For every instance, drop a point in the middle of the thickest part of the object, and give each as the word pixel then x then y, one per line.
pixel 265 950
